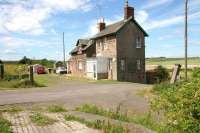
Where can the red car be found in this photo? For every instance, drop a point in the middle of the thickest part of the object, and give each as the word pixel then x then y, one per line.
pixel 41 70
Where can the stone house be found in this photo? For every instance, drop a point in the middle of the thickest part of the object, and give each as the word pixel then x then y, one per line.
pixel 121 46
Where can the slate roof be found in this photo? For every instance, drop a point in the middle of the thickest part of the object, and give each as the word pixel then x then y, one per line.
pixel 82 44
pixel 114 28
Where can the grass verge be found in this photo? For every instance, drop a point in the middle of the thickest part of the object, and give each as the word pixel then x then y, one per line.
pixel 146 120
pixel 56 109
pixel 14 84
pixel 5 125
pixel 41 120
pixel 106 127
pixel 11 109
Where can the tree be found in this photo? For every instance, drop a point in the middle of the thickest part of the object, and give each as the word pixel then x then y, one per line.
pixel 47 63
pixel 1 62
pixel 25 60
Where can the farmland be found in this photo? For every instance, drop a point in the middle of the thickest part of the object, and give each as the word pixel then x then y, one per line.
pixel 151 63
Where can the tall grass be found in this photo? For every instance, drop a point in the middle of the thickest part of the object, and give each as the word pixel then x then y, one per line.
pixel 146 120
pixel 106 127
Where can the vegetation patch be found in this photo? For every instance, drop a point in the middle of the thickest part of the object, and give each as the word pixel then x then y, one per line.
pixel 46 79
pixel 4 84
pixel 11 109
pixel 56 109
pixel 106 127
pixel 146 120
pixel 180 105
pixel 5 125
pixel 41 120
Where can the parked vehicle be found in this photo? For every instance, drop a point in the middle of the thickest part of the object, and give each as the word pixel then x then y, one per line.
pixel 61 70
pixel 41 70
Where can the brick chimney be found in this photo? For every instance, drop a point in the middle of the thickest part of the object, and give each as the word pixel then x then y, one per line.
pixel 101 24
pixel 128 11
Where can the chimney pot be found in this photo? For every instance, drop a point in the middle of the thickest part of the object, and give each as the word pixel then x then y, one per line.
pixel 101 24
pixel 128 11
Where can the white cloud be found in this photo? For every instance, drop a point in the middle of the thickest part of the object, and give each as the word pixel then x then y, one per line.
pixel 155 3
pixel 28 17
pixel 93 27
pixel 141 16
pixel 153 24
pixel 10 52
pixel 14 42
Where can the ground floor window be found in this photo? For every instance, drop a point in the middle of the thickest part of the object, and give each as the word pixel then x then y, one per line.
pixel 80 65
pixel 122 65
pixel 138 64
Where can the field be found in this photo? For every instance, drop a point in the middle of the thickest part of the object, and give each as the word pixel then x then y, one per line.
pixel 151 63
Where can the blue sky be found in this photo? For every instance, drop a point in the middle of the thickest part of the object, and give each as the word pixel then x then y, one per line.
pixel 33 28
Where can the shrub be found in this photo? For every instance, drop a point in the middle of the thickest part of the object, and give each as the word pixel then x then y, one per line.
pixel 162 74
pixel 5 125
pixel 196 73
pixel 180 105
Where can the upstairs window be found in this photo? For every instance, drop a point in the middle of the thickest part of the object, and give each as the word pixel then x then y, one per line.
pixel 138 64
pixel 138 42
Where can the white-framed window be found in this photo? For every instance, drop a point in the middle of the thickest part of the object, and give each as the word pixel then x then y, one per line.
pixel 138 42
pixel 80 65
pixel 138 64
pixel 122 65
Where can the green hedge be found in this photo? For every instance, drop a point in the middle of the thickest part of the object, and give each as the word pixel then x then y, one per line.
pixel 180 104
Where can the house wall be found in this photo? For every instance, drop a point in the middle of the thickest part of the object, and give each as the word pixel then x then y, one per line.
pixel 126 50
pixel 81 56
pixel 74 65
pixel 106 47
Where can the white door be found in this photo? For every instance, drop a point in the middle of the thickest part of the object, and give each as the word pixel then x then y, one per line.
pixel 91 69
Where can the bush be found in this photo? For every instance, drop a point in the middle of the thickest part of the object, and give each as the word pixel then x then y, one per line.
pixel 47 63
pixel 162 74
pixel 196 73
pixel 180 105
pixel 5 125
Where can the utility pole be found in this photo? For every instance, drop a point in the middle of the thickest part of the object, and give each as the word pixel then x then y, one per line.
pixel 64 62
pixel 186 40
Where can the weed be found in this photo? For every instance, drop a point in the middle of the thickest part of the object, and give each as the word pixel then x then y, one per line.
pixel 12 109
pixel 56 108
pixel 5 125
pixel 146 120
pixel 106 127
pixel 41 120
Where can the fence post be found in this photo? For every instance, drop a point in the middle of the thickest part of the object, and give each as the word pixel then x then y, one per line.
pixel 31 77
pixel 1 71
pixel 176 73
